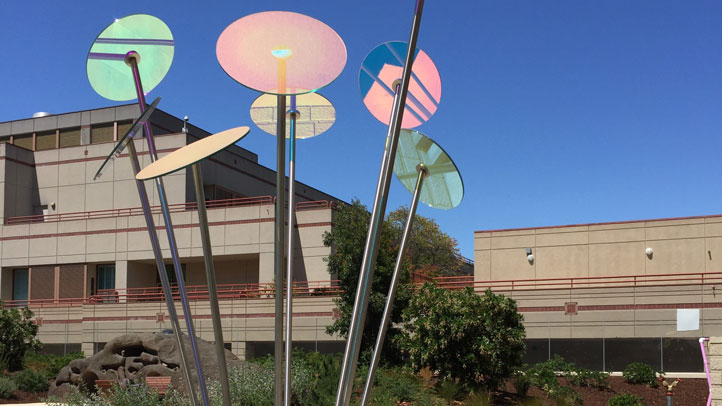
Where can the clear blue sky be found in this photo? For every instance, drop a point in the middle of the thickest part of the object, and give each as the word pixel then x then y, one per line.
pixel 556 112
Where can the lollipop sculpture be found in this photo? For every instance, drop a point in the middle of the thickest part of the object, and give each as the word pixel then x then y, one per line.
pixel 114 70
pixel 430 175
pixel 283 54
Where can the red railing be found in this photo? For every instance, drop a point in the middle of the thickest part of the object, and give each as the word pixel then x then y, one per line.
pixel 332 288
pixel 174 208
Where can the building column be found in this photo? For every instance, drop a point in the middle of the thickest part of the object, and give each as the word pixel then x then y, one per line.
pixel 121 277
pixel 715 368
pixel 265 267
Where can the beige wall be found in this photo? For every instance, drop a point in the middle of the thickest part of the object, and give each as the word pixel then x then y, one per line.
pixel 687 245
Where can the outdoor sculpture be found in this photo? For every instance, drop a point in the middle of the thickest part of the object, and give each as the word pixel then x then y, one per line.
pixel 131 357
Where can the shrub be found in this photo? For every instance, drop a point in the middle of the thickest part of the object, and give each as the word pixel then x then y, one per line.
pixel 49 364
pixel 482 398
pixel 566 396
pixel 625 399
pixel 543 376
pixel 475 339
pixel 587 378
pixel 7 386
pixel 521 384
pixel 133 395
pixel 17 335
pixel 449 391
pixel 31 381
pixel 640 373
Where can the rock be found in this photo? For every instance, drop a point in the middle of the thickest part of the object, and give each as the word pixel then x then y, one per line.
pixel 132 357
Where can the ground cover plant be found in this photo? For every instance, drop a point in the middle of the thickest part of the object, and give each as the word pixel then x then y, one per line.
pixel 640 373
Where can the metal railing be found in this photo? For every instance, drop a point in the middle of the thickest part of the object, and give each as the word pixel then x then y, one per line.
pixel 174 208
pixel 333 288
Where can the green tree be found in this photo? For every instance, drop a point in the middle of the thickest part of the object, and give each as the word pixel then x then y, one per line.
pixel 17 335
pixel 477 339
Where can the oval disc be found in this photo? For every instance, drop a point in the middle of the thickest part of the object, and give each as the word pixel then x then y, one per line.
pixel 315 114
pixel 382 66
pixel 281 52
pixel 147 35
pixel 443 188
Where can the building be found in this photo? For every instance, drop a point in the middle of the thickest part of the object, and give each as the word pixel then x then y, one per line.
pixel 606 294
pixel 77 251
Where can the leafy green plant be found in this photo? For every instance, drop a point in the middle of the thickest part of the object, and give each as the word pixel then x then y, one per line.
pixel 132 395
pixel 544 377
pixel 477 339
pixel 481 398
pixel 626 399
pixel 31 381
pixel 449 391
pixel 566 396
pixel 640 373
pixel 17 335
pixel 587 378
pixel 396 386
pixel 49 364
pixel 7 386
pixel 521 383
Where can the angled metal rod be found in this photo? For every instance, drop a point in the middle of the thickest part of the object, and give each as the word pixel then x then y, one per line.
pixel 167 293
pixel 368 264
pixel 289 258
pixel 386 319
pixel 131 60
pixel 278 247
pixel 211 279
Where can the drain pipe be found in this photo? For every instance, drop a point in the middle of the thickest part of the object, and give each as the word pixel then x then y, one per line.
pixel 706 368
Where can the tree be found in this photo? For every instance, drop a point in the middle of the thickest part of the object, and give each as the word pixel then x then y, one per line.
pixel 429 248
pixel 17 335
pixel 477 339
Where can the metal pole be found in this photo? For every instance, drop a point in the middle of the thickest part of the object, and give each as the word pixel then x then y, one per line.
pixel 165 283
pixel 289 258
pixel 358 318
pixel 386 319
pixel 211 278
pixel 278 247
pixel 131 60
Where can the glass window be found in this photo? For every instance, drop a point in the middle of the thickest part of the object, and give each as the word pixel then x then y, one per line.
pixel 20 284
pixel 171 273
pixel 23 140
pixel 123 127
pixel 69 137
pixel 45 140
pixel 106 276
pixel 102 133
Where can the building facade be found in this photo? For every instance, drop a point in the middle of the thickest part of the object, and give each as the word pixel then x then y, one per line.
pixel 77 252
pixel 605 294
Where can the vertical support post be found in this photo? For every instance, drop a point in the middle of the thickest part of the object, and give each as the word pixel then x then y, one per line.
pixel 131 60
pixel 289 255
pixel 165 283
pixel 386 318
pixel 211 279
pixel 278 246
pixel 363 291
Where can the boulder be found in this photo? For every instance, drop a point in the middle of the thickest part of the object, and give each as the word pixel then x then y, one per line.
pixel 132 357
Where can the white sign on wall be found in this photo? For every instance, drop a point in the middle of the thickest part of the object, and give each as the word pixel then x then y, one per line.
pixel 687 319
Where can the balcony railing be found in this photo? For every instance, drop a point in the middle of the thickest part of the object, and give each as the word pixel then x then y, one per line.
pixel 174 208
pixel 332 288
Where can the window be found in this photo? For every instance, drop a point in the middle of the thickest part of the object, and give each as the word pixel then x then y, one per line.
pixel 123 127
pixel 69 137
pixel 45 140
pixel 102 133
pixel 20 284
pixel 171 274
pixel 106 276
pixel 23 141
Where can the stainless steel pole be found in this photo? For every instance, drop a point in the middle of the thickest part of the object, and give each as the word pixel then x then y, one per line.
pixel 211 279
pixel 386 319
pixel 278 246
pixel 164 282
pixel 132 61
pixel 289 256
pixel 358 318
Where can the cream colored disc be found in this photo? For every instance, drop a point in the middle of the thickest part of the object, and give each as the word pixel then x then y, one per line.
pixel 192 153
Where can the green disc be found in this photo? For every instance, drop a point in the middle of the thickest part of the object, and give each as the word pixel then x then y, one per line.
pixel 145 34
pixel 443 187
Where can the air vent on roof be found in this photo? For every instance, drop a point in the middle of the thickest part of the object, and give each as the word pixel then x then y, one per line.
pixel 41 114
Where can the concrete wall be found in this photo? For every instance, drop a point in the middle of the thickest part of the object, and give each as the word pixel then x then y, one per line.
pixel 715 361
pixel 685 245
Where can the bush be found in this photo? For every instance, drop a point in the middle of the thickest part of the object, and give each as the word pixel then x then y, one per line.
pixel 587 378
pixel 625 399
pixel 566 396
pixel 17 335
pixel 49 364
pixel 475 339
pixel 640 373
pixel 522 384
pixel 133 395
pixel 32 381
pixel 7 386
